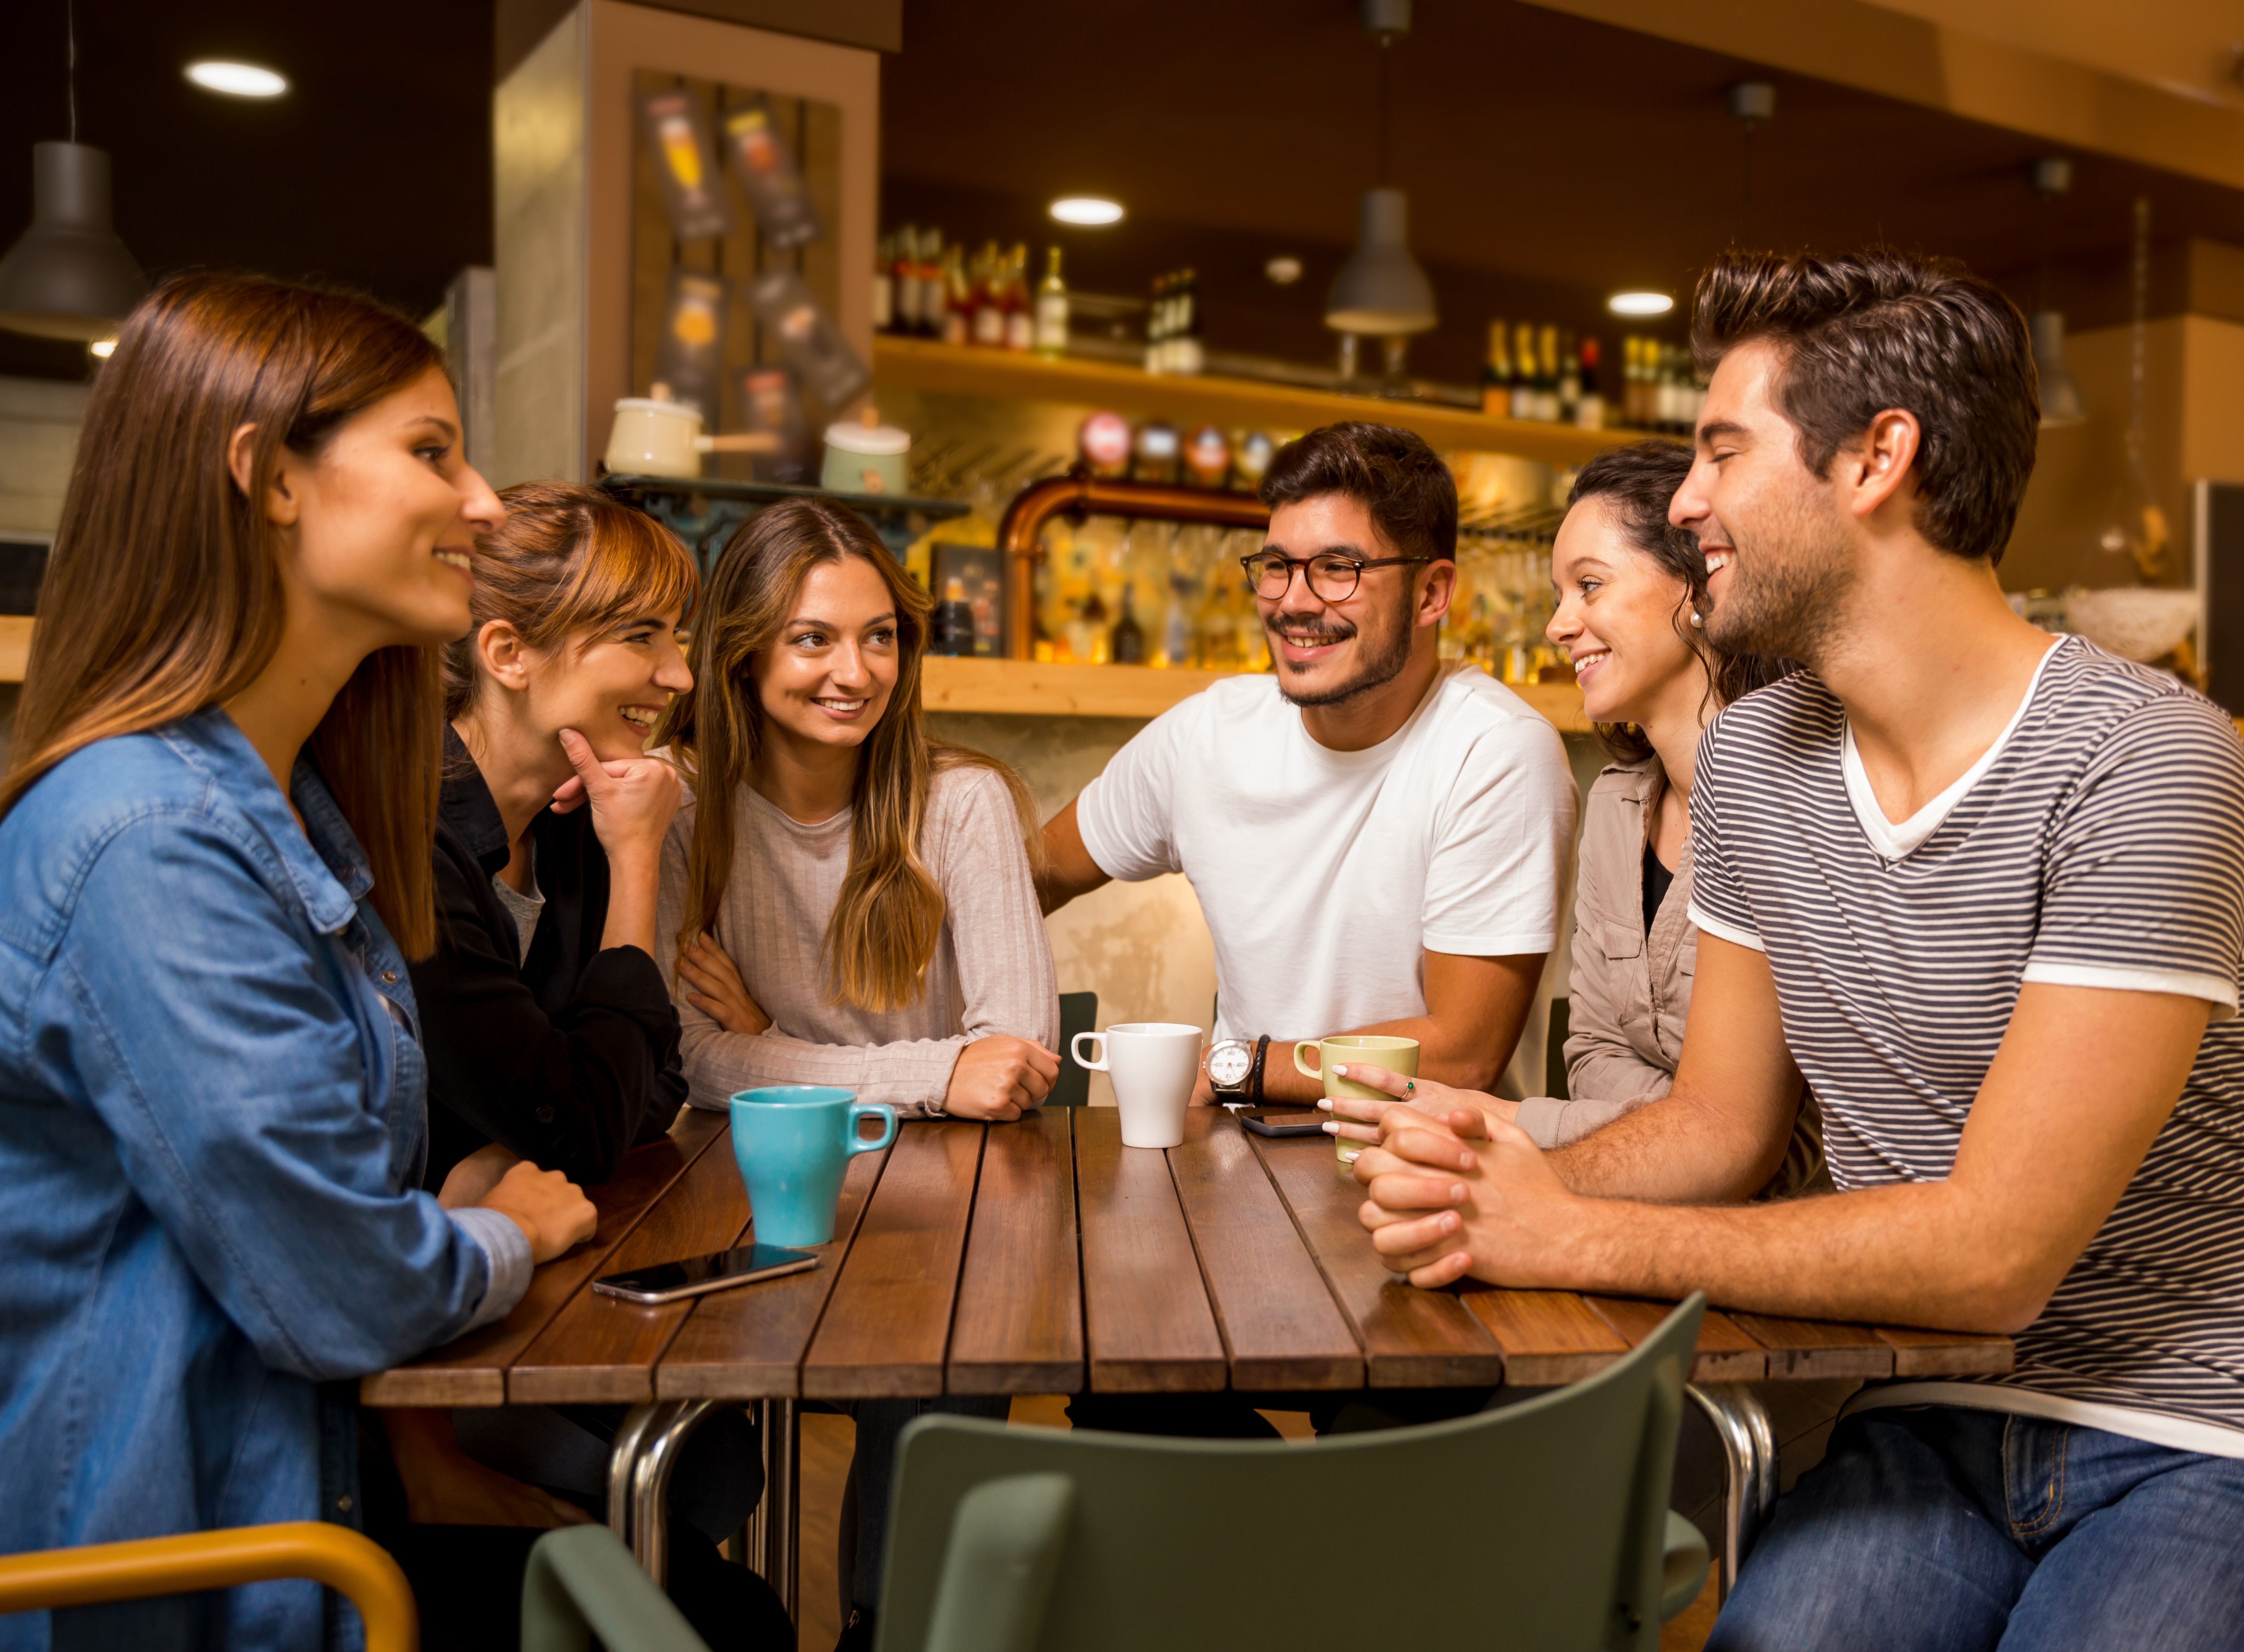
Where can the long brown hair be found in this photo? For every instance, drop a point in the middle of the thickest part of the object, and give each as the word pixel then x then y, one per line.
pixel 890 914
pixel 162 593
pixel 566 560
pixel 1637 482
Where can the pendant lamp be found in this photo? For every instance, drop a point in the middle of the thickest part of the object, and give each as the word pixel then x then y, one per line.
pixel 69 276
pixel 2060 392
pixel 1382 290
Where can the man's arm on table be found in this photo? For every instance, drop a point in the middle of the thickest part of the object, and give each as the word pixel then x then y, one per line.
pixel 2084 1080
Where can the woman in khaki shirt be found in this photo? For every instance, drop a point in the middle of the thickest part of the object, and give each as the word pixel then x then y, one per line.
pixel 1632 592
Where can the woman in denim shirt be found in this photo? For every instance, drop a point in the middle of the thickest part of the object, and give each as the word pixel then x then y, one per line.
pixel 214 850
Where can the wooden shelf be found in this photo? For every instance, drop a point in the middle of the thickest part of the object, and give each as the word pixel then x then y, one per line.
pixel 1024 688
pixel 952 369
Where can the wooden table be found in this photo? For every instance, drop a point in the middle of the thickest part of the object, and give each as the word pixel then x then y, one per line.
pixel 1045 1258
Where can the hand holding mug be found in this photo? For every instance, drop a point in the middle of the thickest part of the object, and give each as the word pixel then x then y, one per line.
pixel 1358 1118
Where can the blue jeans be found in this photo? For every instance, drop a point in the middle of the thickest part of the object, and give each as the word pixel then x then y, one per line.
pixel 1945 1529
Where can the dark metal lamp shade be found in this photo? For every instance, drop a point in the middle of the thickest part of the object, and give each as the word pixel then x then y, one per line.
pixel 69 276
pixel 1382 291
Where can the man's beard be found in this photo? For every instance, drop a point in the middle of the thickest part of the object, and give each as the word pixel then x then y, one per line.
pixel 1787 603
pixel 1384 655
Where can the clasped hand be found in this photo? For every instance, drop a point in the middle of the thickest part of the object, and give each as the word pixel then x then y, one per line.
pixel 1454 1187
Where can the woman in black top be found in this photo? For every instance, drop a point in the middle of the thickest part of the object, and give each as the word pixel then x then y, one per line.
pixel 547 1029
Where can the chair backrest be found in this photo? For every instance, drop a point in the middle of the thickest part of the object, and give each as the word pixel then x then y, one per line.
pixel 1542 1526
pixel 1079 1013
pixel 582 1582
pixel 358 1570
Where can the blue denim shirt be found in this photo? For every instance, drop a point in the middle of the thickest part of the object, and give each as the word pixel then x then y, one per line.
pixel 212 1121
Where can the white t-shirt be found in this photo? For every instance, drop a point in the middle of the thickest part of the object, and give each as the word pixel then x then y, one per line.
pixel 1325 876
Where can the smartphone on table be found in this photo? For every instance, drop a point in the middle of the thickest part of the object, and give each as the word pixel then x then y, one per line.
pixel 698 1276
pixel 1282 1121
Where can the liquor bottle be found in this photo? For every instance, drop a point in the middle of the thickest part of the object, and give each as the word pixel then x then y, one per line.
pixel 934 298
pixel 1590 412
pixel 1014 300
pixel 1631 413
pixel 1157 325
pixel 987 319
pixel 904 274
pixel 1523 373
pixel 1208 456
pixel 951 633
pixel 1495 376
pixel 1185 353
pixel 1127 646
pixel 952 299
pixel 1087 633
pixel 884 285
pixel 1570 379
pixel 1051 308
pixel 1547 373
pixel 1177 639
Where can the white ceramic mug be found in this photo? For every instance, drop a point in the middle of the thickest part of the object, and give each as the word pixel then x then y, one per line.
pixel 1154 1065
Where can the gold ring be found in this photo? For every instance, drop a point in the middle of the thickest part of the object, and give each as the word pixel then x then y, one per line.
pixel 1409 1086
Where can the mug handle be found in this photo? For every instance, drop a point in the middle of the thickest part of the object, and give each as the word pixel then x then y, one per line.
pixel 871 1109
pixel 1302 1067
pixel 1075 1049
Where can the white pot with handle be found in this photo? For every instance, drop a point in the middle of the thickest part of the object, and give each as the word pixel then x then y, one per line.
pixel 653 437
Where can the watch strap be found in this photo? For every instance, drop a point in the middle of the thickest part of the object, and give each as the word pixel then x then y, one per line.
pixel 1254 1073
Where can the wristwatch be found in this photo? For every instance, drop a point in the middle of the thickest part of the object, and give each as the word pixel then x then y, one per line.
pixel 1235 1069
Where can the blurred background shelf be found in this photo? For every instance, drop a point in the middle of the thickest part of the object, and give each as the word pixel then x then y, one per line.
pixel 948 369
pixel 15 646
pixel 1025 688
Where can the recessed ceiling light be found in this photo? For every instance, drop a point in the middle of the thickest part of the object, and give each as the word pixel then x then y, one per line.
pixel 1639 303
pixel 1283 270
pixel 237 79
pixel 1087 209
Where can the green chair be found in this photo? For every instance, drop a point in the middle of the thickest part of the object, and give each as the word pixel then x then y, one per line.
pixel 1543 1526
pixel 1079 1013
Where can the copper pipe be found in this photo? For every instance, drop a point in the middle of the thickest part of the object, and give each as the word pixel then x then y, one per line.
pixel 1037 503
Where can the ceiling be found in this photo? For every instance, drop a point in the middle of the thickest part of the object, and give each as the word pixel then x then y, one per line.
pixel 1549 158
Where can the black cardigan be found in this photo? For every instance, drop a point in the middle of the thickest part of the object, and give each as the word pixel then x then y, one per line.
pixel 569 1058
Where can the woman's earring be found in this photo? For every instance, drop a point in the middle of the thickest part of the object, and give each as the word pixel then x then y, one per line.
pixel 1698 619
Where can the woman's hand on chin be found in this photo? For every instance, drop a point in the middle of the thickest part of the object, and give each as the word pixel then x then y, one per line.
pixel 633 801
pixel 1000 1077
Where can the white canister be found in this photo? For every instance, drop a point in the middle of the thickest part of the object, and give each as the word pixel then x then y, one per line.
pixel 862 458
pixel 655 438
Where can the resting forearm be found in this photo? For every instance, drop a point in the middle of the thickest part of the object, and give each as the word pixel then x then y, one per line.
pixel 1674 1150
pixel 631 905
pixel 911 1076
pixel 1921 1254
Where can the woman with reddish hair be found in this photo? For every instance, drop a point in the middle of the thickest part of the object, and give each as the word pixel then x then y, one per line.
pixel 214 846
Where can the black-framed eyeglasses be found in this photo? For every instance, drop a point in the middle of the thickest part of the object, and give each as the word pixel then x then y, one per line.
pixel 1332 576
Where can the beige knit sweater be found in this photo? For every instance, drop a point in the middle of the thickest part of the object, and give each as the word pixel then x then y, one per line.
pixel 991 972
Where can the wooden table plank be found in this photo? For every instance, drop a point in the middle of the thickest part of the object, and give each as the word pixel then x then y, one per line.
pixel 1411 1338
pixel 1802 1349
pixel 600 1351
pixel 1947 1353
pixel 887 1324
pixel 1724 1353
pixel 749 1344
pixel 1019 1325
pixel 1281 1329
pixel 1147 1326
pixel 1548 1337
pixel 471 1370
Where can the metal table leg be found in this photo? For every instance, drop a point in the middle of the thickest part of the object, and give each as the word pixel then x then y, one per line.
pixel 623 1459
pixel 664 1439
pixel 1749 1455
pixel 772 1530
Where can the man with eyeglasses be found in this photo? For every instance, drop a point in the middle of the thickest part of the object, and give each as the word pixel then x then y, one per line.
pixel 1378 840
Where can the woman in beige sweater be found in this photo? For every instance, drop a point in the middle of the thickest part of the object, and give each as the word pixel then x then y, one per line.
pixel 844 900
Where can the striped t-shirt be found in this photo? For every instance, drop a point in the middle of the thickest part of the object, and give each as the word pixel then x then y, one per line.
pixel 2099 843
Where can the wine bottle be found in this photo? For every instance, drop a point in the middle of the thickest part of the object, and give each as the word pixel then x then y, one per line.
pixel 1523 372
pixel 934 294
pixel 1570 378
pixel 951 633
pixel 884 285
pixel 1127 646
pixel 904 275
pixel 1051 308
pixel 1185 353
pixel 1496 375
pixel 1589 413
pixel 1157 328
pixel 1546 372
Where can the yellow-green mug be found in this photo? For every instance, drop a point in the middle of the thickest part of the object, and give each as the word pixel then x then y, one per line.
pixel 1374 1050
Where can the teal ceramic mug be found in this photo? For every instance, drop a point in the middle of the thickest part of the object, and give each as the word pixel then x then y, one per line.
pixel 792 1143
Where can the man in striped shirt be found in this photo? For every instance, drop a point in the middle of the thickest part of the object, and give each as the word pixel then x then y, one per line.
pixel 1984 890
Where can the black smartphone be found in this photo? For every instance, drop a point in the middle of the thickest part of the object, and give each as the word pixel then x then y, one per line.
pixel 1280 1121
pixel 696 1276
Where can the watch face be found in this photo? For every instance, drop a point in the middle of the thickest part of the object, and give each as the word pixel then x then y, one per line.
pixel 1229 1062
